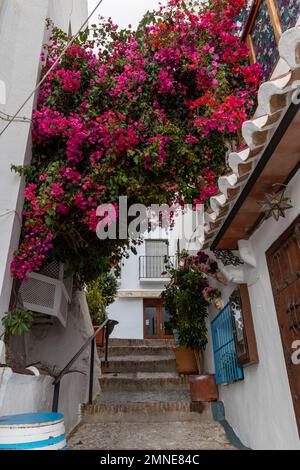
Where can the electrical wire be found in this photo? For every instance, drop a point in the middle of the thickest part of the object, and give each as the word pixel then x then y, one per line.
pixel 8 118
pixel 5 212
pixel 15 116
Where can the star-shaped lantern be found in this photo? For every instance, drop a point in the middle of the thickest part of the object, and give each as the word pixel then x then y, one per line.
pixel 275 205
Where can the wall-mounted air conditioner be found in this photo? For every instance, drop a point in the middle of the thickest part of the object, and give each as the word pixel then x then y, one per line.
pixel 48 292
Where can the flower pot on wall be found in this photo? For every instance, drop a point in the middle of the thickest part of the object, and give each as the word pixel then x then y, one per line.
pixel 185 360
pixel 203 388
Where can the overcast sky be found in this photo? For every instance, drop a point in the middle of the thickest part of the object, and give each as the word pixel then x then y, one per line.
pixel 124 12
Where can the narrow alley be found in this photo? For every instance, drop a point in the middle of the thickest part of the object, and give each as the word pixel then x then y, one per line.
pixel 145 404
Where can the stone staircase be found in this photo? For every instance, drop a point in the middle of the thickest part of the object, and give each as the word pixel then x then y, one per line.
pixel 145 404
pixel 140 383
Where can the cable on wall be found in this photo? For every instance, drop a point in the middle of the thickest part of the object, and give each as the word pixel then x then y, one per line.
pixel 8 118
pixel 15 116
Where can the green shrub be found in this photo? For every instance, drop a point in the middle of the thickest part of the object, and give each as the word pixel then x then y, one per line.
pixel 187 297
pixel 17 322
pixel 101 293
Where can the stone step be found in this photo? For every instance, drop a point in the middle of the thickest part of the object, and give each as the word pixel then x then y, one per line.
pixel 137 350
pixel 145 406
pixel 162 396
pixel 145 412
pixel 127 364
pixel 141 342
pixel 143 381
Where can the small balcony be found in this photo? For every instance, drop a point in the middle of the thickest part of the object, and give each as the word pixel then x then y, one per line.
pixel 263 23
pixel 153 268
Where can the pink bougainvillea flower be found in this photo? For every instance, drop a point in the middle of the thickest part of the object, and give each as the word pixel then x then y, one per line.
pixel 145 114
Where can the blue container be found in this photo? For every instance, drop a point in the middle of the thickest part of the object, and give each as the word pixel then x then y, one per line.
pixel 33 431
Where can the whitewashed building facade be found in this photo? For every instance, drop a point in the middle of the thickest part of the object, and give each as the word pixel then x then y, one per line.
pixel 22 35
pixel 138 307
pixel 254 346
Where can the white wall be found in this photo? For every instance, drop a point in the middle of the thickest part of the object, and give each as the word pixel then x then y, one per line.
pixel 129 311
pixel 22 32
pixel 24 393
pixel 129 314
pixel 68 12
pixel 22 29
pixel 55 346
pixel 130 267
pixel 260 407
pixel 29 394
pixel 21 24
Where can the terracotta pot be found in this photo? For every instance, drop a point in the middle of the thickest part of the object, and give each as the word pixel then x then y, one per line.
pixel 185 360
pixel 203 388
pixel 100 336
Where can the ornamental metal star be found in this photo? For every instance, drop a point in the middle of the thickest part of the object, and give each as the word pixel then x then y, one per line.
pixel 275 205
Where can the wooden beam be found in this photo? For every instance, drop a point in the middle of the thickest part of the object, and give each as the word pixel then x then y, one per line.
pixel 275 19
pixel 250 44
pixel 251 18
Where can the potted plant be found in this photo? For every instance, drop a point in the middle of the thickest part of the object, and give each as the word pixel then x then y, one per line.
pixel 99 294
pixel 187 297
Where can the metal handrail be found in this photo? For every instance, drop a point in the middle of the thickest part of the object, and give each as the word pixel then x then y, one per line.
pixel 66 369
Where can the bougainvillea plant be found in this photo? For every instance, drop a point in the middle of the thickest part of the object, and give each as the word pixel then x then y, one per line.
pixel 144 113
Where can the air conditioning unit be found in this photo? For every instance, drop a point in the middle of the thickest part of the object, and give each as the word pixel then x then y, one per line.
pixel 48 292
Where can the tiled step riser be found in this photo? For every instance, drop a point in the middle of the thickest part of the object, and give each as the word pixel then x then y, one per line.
pixel 141 342
pixel 114 384
pixel 138 366
pixel 137 351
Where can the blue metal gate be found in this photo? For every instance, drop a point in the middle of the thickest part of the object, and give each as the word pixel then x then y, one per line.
pixel 227 369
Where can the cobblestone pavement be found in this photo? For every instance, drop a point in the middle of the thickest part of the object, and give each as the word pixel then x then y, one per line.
pixel 150 436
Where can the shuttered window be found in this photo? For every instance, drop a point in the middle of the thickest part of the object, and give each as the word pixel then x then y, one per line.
pixel 225 357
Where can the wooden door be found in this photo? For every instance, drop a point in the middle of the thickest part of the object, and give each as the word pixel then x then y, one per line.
pixel 284 266
pixel 156 320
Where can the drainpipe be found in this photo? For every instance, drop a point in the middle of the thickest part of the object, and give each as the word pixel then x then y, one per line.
pixel 2 92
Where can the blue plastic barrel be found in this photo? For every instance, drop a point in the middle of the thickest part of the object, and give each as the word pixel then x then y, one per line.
pixel 33 431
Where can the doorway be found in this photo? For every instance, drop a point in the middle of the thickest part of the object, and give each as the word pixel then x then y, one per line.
pixel 283 259
pixel 156 320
